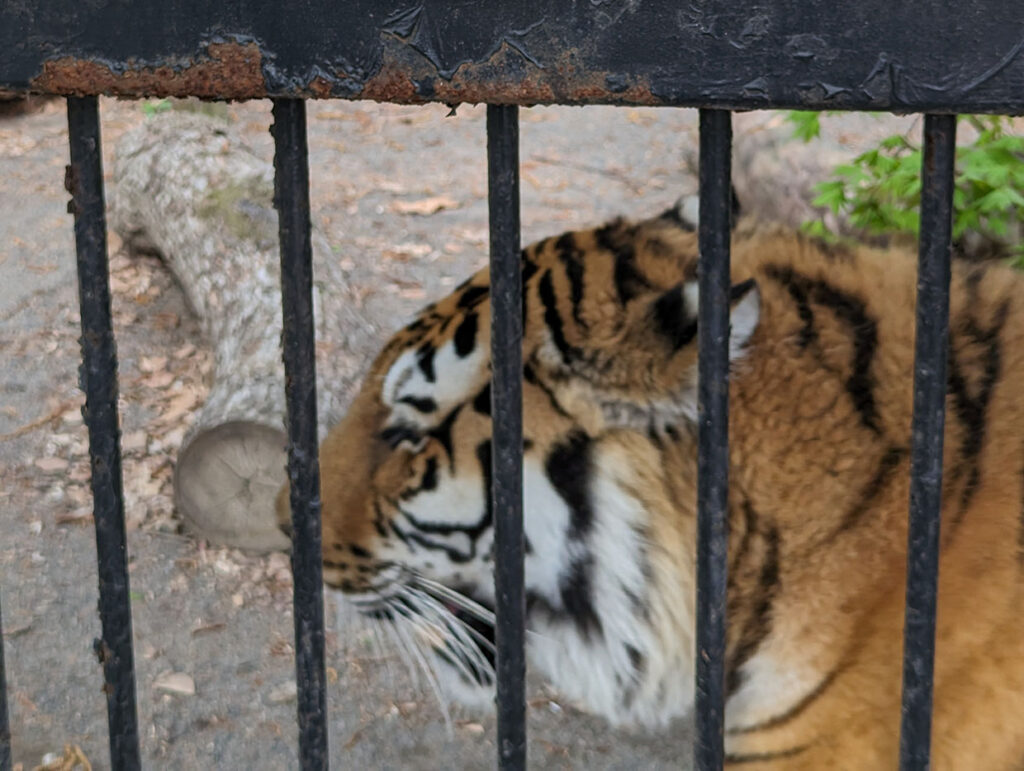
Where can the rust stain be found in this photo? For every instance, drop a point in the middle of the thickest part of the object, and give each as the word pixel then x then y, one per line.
pixel 563 82
pixel 233 70
pixel 224 71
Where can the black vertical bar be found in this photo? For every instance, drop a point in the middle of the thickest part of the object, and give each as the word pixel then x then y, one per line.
pixel 930 358
pixel 713 431
pixel 98 378
pixel 291 198
pixel 507 442
pixel 5 724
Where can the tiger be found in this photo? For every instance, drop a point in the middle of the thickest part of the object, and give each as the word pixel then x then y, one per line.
pixel 821 362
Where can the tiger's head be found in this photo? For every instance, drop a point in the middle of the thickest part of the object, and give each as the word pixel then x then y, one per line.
pixel 609 406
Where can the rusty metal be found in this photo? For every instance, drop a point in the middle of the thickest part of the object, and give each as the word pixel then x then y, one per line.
pixel 222 70
pixel 784 53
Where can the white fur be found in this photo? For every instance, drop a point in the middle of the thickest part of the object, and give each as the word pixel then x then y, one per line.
pixel 463 377
pixel 768 689
pixel 592 668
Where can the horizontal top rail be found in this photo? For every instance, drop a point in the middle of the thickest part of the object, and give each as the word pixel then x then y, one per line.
pixel 932 55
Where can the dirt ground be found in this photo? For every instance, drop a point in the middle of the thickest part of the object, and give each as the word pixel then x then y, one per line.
pixel 212 627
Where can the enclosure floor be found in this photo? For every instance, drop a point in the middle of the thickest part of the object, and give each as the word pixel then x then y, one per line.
pixel 219 617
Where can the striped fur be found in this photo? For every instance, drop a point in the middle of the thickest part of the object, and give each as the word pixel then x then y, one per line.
pixel 821 393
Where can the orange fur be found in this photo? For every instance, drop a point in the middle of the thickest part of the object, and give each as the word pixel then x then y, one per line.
pixel 820 414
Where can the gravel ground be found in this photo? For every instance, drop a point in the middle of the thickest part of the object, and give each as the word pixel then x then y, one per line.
pixel 216 620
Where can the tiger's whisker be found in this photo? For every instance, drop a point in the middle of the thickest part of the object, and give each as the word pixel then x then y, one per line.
pixel 429 674
pixel 464 653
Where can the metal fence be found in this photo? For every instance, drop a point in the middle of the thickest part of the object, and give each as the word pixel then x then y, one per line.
pixel 933 56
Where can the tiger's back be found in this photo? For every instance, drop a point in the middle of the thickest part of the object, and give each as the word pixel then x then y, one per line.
pixel 820 442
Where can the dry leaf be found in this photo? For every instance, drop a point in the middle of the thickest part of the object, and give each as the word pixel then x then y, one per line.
pixel 216 626
pixel 51 464
pixel 180 405
pixel 72 759
pixel 135 440
pixel 406 252
pixel 283 693
pixel 152 363
pixel 176 682
pixel 159 379
pixel 425 206
pixel 167 320
pixel 80 516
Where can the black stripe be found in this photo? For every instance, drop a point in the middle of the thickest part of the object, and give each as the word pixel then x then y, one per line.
pixel 429 480
pixel 765 757
pixel 629 282
pixel 450 551
pixel 750 526
pixel 473 296
pixel 553 319
pixel 852 311
pixel 675 216
pixel 443 434
pixel 359 551
pixel 886 471
pixel 529 266
pixel 569 254
pixel 673 319
pixel 758 624
pixel 738 291
pixel 618 239
pixel 808 334
pixel 482 401
pixel 575 590
pixel 465 335
pixel 530 376
pixel 972 410
pixel 425 360
pixel 379 520
pixel 793 712
pixel 423 404
pixel 568 466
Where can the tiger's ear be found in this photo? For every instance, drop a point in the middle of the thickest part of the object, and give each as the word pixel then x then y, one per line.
pixel 685 212
pixel 744 312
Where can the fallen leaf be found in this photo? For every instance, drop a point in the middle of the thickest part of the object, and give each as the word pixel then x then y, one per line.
pixel 72 759
pixel 425 206
pixel 51 464
pixel 180 405
pixel 216 626
pixel 152 363
pixel 135 440
pixel 167 320
pixel 81 516
pixel 406 252
pixel 159 379
pixel 176 682
pixel 283 693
